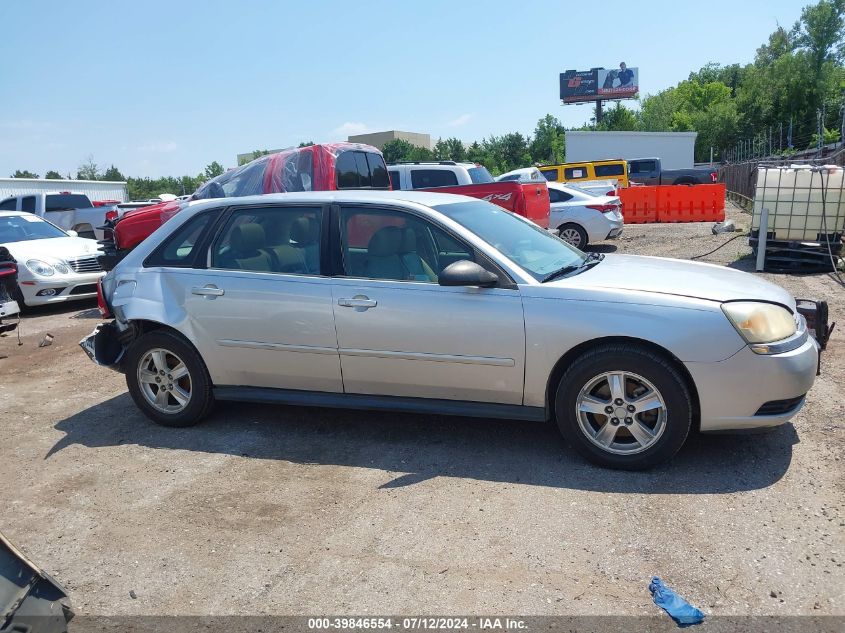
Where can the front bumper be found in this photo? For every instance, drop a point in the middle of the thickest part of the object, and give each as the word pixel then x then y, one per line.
pixel 732 393
pixel 8 309
pixel 65 288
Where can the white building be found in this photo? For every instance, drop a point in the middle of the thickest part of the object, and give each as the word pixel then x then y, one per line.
pixel 676 150
pixel 94 189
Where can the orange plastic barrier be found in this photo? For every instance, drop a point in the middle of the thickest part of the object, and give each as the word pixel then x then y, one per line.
pixel 673 203
pixel 639 204
pixel 685 203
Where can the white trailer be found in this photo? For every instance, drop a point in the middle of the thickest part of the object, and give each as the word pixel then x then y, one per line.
pixel 675 150
pixel 94 189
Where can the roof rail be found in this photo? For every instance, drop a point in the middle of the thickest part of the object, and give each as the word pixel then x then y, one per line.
pixel 424 162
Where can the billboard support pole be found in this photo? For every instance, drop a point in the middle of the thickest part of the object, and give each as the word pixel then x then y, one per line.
pixel 598 112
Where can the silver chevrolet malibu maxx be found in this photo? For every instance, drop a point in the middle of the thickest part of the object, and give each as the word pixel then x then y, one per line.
pixel 438 303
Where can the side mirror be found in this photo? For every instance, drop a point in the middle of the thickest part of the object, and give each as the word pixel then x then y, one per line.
pixel 467 273
pixel 72 233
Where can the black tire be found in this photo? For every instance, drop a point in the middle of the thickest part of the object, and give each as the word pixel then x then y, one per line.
pixel 201 397
pixel 685 181
pixel 576 228
pixel 641 363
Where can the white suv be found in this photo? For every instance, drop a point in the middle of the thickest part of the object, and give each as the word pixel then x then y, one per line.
pixel 444 173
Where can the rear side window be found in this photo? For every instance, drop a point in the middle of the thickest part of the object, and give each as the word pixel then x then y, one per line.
pixel 65 201
pixel 425 178
pixel 602 171
pixel 28 204
pixel 556 195
pixel 361 170
pixel 575 172
pixel 479 175
pixel 395 182
pixel 180 249
pixel 9 205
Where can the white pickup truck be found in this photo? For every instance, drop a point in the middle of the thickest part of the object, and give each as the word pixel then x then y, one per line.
pixel 68 210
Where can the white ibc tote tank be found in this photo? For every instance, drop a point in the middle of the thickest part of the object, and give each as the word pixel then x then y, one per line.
pixel 805 203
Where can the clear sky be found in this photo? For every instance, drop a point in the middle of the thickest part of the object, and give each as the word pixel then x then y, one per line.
pixel 165 87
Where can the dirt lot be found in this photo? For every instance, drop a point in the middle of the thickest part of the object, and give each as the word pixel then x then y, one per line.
pixel 289 510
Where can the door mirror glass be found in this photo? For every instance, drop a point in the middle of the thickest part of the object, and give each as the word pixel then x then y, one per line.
pixel 467 273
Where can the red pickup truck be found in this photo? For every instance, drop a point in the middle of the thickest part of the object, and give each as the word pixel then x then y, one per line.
pixel 528 199
pixel 324 167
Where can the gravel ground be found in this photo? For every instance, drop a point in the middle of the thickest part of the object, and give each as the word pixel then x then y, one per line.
pixel 287 510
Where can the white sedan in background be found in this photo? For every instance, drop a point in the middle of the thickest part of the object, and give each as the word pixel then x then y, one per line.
pixel 53 265
pixel 581 217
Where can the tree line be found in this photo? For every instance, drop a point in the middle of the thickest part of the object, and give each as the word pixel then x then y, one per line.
pixel 797 75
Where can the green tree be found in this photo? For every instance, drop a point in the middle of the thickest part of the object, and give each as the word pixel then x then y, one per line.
pixel 214 169
pixel 88 170
pixel 308 144
pixel 53 175
pixel 619 119
pixel 113 174
pixel 25 173
pixel 549 142
pixel 397 150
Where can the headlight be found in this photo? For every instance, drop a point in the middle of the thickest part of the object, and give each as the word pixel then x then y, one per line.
pixel 61 268
pixel 759 322
pixel 40 268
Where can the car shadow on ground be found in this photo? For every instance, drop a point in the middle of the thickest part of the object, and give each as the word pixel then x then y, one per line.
pixel 75 309
pixel 427 446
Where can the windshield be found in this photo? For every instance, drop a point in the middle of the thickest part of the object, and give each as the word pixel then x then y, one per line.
pixel 22 228
pixel 537 251
pixel 479 175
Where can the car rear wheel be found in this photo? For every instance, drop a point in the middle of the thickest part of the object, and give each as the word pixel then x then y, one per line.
pixel 623 406
pixel 574 234
pixel 168 380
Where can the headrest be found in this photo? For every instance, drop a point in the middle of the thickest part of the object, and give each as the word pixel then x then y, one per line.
pixel 247 237
pixel 305 231
pixel 277 230
pixel 386 241
pixel 409 241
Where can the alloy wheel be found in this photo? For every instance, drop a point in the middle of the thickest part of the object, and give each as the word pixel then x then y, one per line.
pixel 572 236
pixel 164 380
pixel 621 412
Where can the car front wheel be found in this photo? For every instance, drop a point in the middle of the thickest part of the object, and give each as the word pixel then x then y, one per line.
pixel 168 380
pixel 623 406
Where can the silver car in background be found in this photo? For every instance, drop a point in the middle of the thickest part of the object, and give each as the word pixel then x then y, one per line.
pixel 438 303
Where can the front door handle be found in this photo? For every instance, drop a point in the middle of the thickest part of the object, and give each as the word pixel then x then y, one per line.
pixel 209 290
pixel 359 302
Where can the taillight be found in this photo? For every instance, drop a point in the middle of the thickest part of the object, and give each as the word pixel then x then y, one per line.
pixel 714 176
pixel 111 215
pixel 102 306
pixel 601 208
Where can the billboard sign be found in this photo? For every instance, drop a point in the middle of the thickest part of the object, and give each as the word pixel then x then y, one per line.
pixel 599 83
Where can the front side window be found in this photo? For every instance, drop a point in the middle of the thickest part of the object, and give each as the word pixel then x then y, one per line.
pixel 537 251
pixel 270 240
pixel 427 178
pixel 391 245
pixel 28 204
pixel 180 249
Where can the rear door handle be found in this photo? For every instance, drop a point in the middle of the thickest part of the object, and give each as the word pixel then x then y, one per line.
pixel 209 290
pixel 360 302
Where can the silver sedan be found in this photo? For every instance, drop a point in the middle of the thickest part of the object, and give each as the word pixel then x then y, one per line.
pixel 438 303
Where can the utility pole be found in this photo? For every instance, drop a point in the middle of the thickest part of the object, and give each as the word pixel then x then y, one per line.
pixel 711 155
pixel 820 128
pixel 780 135
pixel 842 125
pixel 789 134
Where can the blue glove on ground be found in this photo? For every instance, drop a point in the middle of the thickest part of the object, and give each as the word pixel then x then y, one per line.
pixel 679 609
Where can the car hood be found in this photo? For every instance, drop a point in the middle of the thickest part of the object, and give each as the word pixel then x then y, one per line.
pixel 677 277
pixel 52 248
